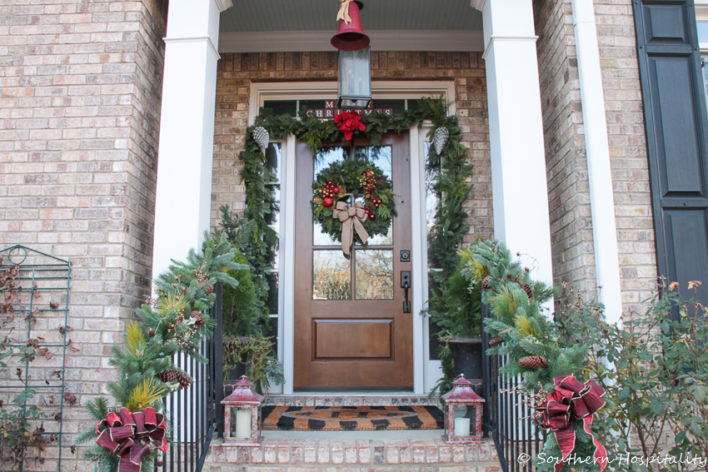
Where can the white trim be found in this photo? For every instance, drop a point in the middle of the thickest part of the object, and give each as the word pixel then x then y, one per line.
pixel 607 270
pixel 417 163
pixel 380 89
pixel 432 370
pixel 286 344
pixel 381 40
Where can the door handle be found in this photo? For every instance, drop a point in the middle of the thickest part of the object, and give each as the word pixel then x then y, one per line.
pixel 406 284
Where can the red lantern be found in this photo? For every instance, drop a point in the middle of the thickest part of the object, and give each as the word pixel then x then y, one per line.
pixel 242 415
pixel 463 418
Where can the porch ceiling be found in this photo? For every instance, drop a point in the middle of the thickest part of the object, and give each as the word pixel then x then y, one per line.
pixel 307 25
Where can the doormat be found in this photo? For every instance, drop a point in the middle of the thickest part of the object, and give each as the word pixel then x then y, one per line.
pixel 351 418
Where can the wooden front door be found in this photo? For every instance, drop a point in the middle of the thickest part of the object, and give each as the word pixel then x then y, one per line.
pixel 351 331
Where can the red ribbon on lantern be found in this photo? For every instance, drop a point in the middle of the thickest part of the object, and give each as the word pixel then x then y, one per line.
pixel 569 402
pixel 348 122
pixel 123 434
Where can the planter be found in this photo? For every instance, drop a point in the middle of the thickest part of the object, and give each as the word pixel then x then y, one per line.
pixel 467 356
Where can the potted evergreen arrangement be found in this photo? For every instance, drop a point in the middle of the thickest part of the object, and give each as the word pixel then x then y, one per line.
pixel 248 349
pixel 456 312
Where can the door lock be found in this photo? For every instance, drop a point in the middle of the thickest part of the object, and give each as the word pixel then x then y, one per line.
pixel 406 284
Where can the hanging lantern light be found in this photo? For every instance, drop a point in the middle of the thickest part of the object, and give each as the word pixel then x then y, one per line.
pixel 355 79
pixel 354 58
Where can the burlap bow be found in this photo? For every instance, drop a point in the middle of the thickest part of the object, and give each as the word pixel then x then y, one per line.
pixel 343 13
pixel 124 433
pixel 351 219
pixel 572 401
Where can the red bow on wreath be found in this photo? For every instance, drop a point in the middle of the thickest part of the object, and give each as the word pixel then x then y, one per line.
pixel 348 122
pixel 572 401
pixel 123 434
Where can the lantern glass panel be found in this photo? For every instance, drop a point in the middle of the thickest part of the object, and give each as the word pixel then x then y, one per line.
pixel 355 78
pixel 240 426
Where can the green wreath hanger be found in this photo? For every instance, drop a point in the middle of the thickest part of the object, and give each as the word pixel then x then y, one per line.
pixel 353 200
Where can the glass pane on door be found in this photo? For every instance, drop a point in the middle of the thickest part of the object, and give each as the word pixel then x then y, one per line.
pixel 331 276
pixel 374 274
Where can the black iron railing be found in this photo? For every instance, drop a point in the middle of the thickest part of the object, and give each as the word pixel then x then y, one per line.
pixel 508 420
pixel 195 413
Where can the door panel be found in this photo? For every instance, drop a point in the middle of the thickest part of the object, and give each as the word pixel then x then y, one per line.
pixel 350 329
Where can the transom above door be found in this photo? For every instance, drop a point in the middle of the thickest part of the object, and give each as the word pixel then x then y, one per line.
pixel 351 331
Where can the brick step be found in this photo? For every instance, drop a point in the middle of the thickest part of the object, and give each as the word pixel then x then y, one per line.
pixel 343 451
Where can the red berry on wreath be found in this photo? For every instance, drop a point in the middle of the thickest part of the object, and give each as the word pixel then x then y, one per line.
pixel 336 190
pixel 328 201
pixel 372 216
pixel 368 196
pixel 366 211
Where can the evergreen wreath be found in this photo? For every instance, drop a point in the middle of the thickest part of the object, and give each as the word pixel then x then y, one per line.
pixel 359 179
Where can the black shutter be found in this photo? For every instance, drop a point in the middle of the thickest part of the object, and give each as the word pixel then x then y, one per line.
pixel 677 130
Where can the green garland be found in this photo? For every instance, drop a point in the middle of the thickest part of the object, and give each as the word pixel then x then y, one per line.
pixel 176 323
pixel 361 179
pixel 451 167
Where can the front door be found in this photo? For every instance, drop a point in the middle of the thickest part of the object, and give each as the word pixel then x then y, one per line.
pixel 351 331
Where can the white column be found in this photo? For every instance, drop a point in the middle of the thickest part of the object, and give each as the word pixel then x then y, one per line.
pixel 520 195
pixel 597 150
pixel 183 199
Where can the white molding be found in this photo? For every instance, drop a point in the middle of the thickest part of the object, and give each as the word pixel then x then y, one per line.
pixel 417 164
pixel 381 89
pixel 381 40
pixel 286 338
pixel 604 228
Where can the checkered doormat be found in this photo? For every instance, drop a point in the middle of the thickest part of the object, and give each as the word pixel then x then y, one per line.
pixel 351 418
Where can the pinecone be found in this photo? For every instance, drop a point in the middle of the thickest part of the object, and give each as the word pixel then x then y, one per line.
pixel 440 137
pixel 495 340
pixel 486 282
pixel 172 375
pixel 198 320
pixel 261 137
pixel 533 362
pixel 527 289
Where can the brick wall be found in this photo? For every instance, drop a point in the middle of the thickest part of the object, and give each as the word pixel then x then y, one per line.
pixel 237 71
pixel 571 223
pixel 79 117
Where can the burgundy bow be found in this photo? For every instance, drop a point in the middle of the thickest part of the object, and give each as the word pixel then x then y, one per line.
pixel 571 401
pixel 123 434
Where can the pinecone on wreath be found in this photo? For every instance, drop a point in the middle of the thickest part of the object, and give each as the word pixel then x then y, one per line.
pixel 533 362
pixel 494 341
pixel 486 282
pixel 172 375
pixel 528 290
